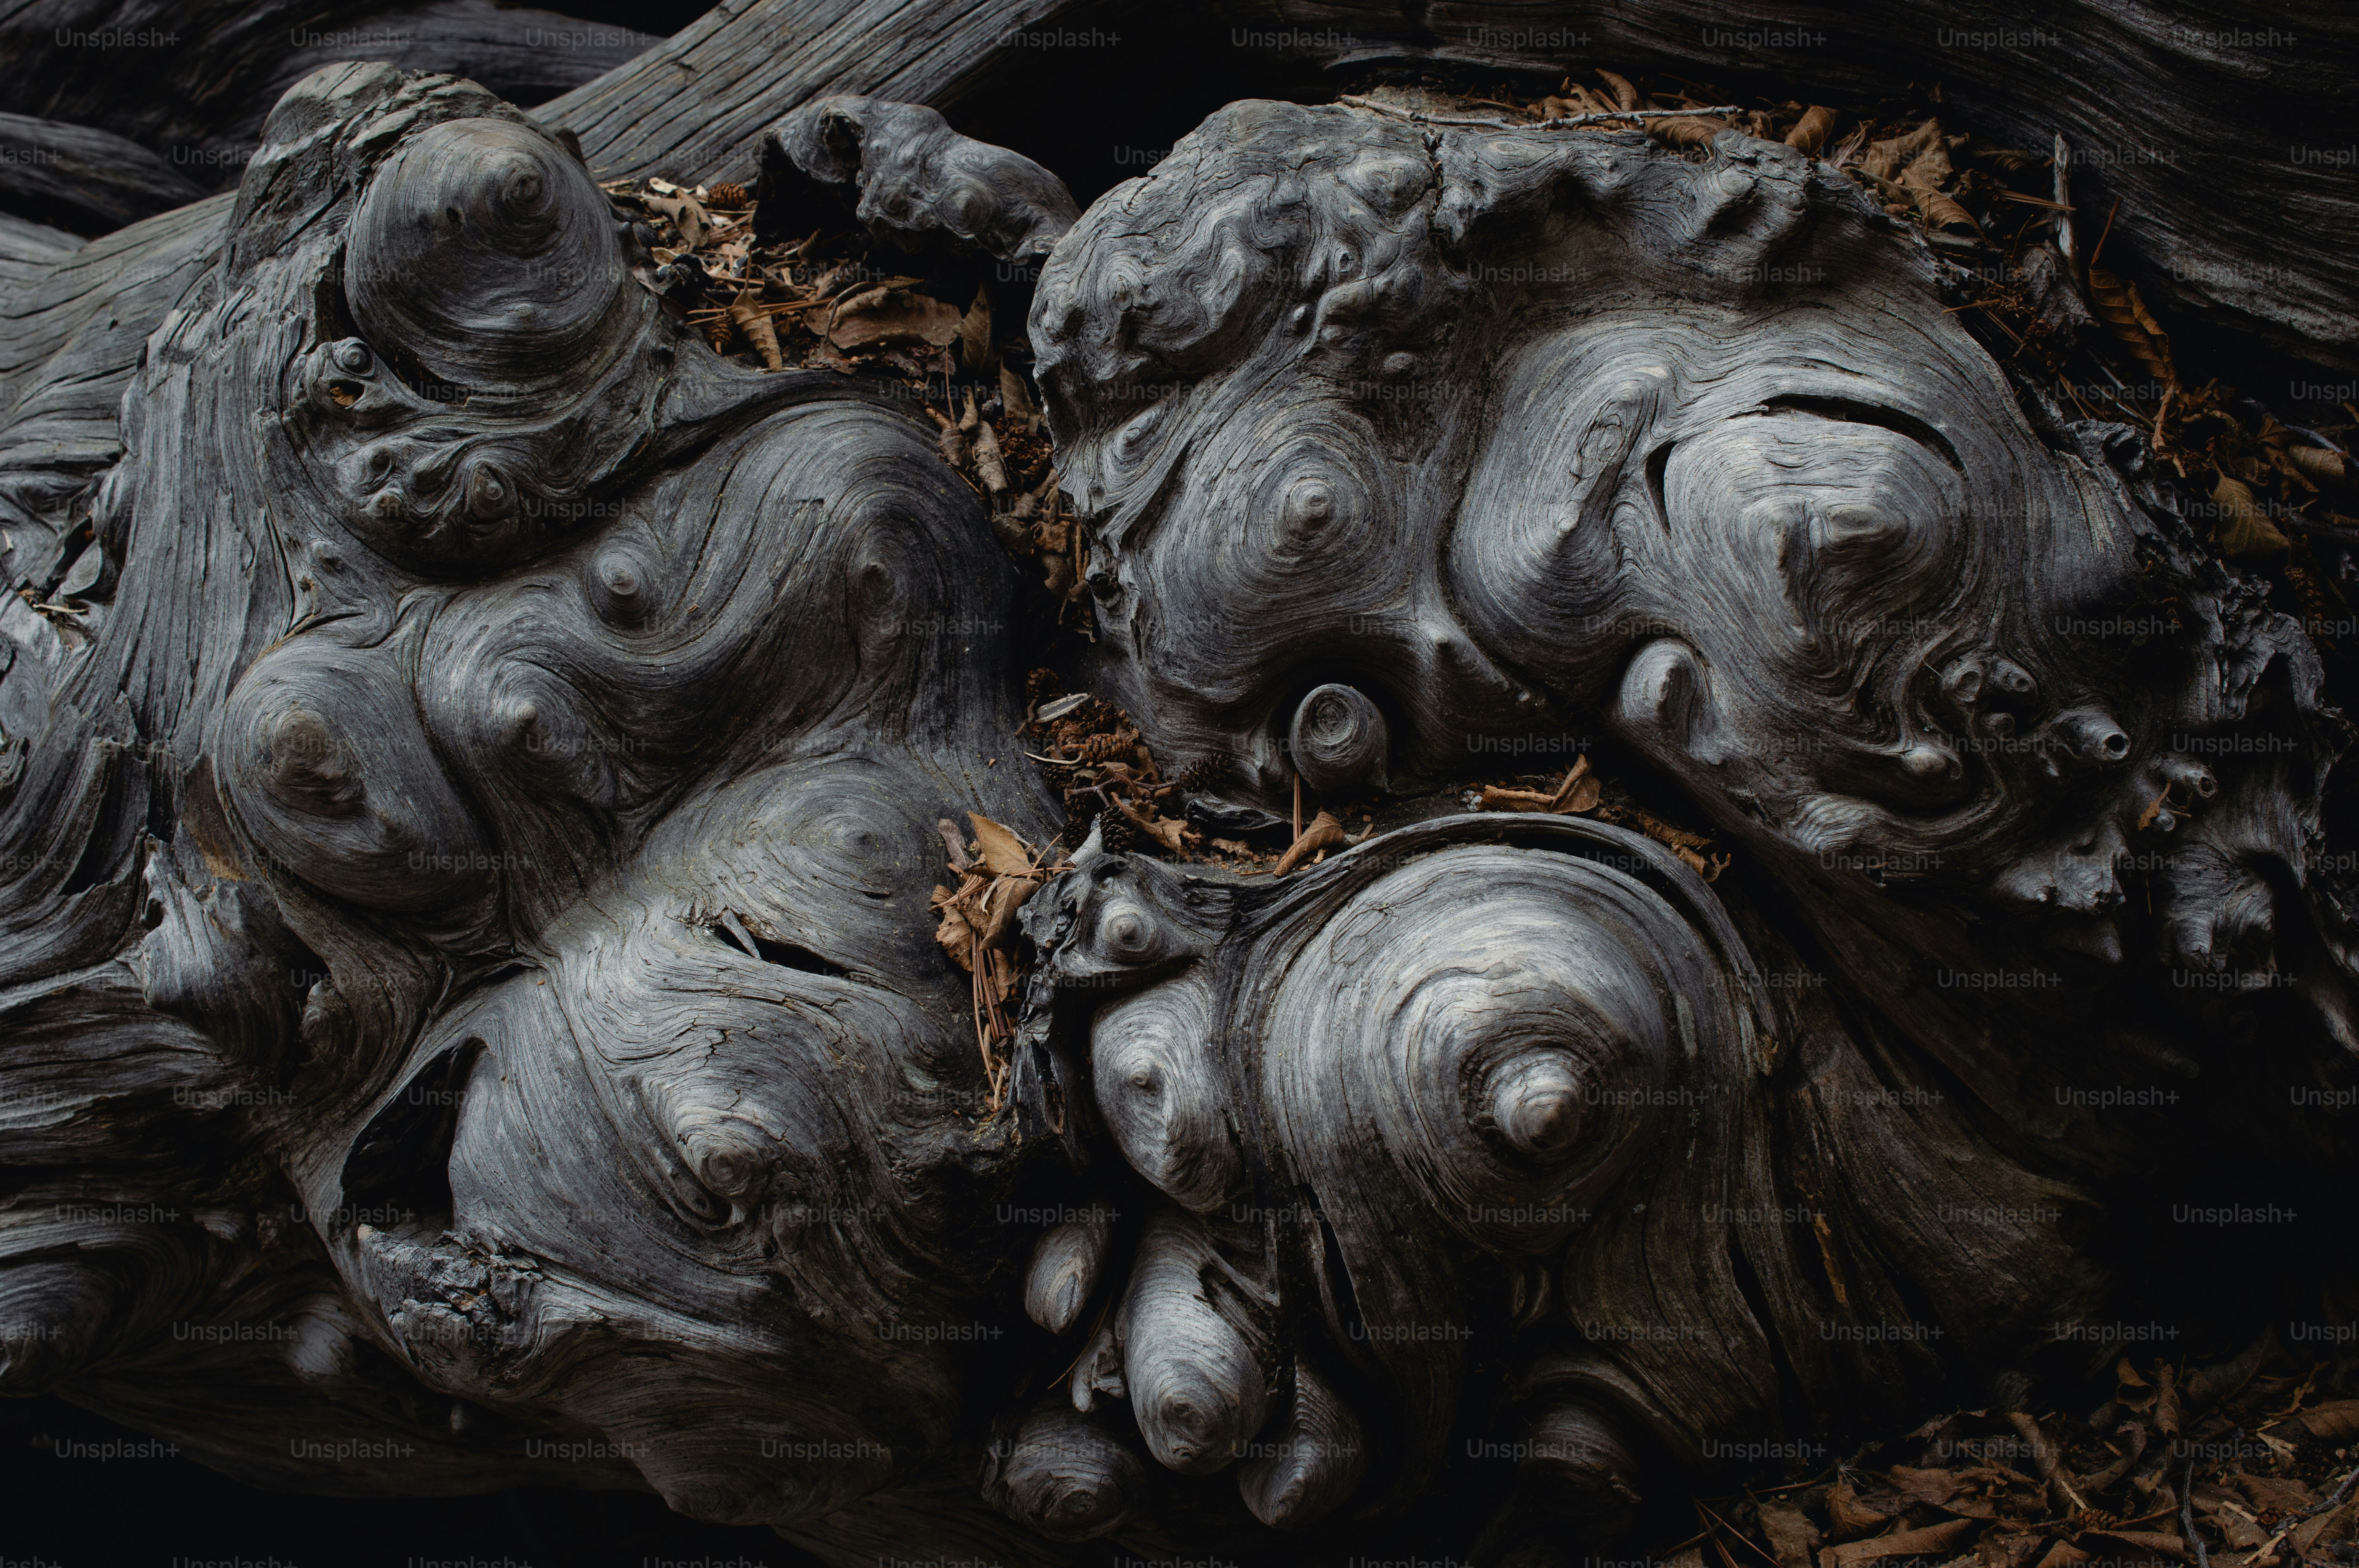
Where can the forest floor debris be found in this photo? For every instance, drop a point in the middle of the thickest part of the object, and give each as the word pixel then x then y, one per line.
pixel 833 300
pixel 2252 1462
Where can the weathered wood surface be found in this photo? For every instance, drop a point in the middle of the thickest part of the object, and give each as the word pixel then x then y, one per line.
pixel 911 183
pixel 92 181
pixel 1470 438
pixel 2214 128
pixel 466 900
pixel 78 315
pixel 679 526
pixel 1597 485
pixel 695 105
pixel 2207 123
pixel 190 80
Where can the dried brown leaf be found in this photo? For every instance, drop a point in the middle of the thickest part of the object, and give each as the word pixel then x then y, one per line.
pixel 1324 833
pixel 2144 1545
pixel 2044 1452
pixel 1809 132
pixel 2002 1549
pixel 1168 831
pixel 2334 1525
pixel 2277 1493
pixel 2207 1386
pixel 880 316
pixel 2116 302
pixel 1791 1535
pixel 1926 180
pixel 1002 850
pixel 686 214
pixel 1853 1515
pixel 2322 467
pixel 975 352
pixel 1685 130
pixel 1007 895
pixel 2337 1421
pixel 1496 797
pixel 1654 827
pixel 1943 212
pixel 988 463
pixel 956 933
pixel 1581 791
pixel 755 323
pixel 1057 574
pixel 999 977
pixel 1932 1487
pixel 2240 1532
pixel 2245 530
pixel 1015 398
pixel 1934 1538
pixel 1887 158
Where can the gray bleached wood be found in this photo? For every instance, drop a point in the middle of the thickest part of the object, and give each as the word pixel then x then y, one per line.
pixel 1599 484
pixel 525 746
pixel 1314 1468
pixel 1064 1476
pixel 586 1010
pixel 1066 1264
pixel 2211 129
pixel 90 180
pixel 160 102
pixel 1195 1357
pixel 914 183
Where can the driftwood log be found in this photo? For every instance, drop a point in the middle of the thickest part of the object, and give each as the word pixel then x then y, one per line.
pixel 464 905
pixel 2215 129
pixel 150 105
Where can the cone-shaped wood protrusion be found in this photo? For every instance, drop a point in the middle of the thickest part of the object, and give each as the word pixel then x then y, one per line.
pixel 483 250
pixel 1576 1464
pixel 1197 1385
pixel 1310 1470
pixel 1158 1088
pixel 1339 741
pixel 1065 1476
pixel 1066 1264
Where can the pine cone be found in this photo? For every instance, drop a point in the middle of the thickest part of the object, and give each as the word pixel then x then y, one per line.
pixel 726 194
pixel 1042 686
pixel 1115 831
pixel 1198 774
pixel 718 331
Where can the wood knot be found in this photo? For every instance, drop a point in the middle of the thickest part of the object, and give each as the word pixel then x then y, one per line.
pixel 1339 740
